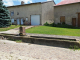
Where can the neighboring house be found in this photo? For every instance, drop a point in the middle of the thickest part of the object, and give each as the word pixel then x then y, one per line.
pixel 32 14
pixel 67 11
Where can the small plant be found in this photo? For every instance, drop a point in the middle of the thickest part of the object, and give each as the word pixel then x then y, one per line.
pixel 63 23
pixel 18 41
pixel 46 24
pixel 4 43
pixel 54 25
pixel 75 47
pixel 59 24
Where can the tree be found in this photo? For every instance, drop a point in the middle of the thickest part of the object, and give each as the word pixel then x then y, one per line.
pixel 5 20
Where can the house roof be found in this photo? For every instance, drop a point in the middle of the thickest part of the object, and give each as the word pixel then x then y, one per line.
pixel 30 4
pixel 24 4
pixel 64 2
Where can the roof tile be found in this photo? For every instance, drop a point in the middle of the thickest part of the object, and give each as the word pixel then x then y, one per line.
pixel 63 2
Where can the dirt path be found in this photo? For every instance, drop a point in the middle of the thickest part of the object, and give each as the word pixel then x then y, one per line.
pixel 26 51
pixel 15 31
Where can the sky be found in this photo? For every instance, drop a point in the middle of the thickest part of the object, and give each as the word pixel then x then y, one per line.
pixel 18 2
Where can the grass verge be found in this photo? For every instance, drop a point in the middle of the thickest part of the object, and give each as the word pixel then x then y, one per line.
pixel 54 31
pixel 8 28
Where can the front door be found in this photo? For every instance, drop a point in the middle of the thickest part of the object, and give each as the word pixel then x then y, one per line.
pixel 18 22
pixel 21 21
pixel 62 19
pixel 74 22
pixel 78 19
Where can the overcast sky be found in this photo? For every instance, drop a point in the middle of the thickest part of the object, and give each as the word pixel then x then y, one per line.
pixel 18 2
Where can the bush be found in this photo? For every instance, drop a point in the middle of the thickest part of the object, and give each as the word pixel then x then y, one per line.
pixel 59 25
pixel 46 24
pixel 63 23
pixel 54 25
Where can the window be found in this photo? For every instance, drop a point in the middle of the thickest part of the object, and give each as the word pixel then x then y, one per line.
pixel 62 19
pixel 12 20
pixel 12 13
pixel 26 19
pixel 17 13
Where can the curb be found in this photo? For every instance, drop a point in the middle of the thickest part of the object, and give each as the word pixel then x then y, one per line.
pixel 66 43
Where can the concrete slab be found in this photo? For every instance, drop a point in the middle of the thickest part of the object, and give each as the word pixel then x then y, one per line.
pixel 54 36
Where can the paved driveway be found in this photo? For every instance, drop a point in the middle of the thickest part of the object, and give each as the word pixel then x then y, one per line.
pixel 25 51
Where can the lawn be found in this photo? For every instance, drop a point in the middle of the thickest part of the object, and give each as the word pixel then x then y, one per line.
pixel 8 28
pixel 54 31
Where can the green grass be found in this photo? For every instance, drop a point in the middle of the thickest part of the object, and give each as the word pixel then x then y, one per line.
pixel 54 31
pixel 8 28
pixel 17 41
pixel 75 47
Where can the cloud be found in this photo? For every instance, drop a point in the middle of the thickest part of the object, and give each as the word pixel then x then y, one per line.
pixel 26 1
pixel 11 2
pixel 57 0
pixel 49 0
pixel 8 2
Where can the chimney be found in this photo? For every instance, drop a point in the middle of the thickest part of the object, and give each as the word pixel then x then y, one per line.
pixel 22 2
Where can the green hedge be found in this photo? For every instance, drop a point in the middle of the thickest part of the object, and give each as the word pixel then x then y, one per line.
pixel 59 25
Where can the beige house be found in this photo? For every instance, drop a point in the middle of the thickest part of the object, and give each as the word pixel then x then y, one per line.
pixel 67 11
pixel 32 14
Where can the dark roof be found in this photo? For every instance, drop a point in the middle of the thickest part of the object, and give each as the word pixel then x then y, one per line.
pixel 30 4
pixel 24 4
pixel 64 2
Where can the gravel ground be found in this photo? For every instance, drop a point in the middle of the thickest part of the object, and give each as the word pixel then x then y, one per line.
pixel 10 50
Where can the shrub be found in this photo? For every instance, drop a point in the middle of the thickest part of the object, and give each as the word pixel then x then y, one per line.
pixel 46 24
pixel 53 24
pixel 59 25
pixel 63 23
pixel 74 47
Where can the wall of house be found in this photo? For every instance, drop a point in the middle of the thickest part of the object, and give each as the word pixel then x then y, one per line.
pixel 69 11
pixel 25 11
pixel 48 12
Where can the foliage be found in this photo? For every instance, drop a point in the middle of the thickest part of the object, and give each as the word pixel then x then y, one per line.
pixel 17 41
pixel 63 23
pixel 75 47
pixel 46 24
pixel 59 25
pixel 5 20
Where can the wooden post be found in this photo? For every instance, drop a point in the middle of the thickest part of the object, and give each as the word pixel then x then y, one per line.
pixel 22 31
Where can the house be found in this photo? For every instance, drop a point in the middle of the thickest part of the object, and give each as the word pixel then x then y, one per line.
pixel 67 11
pixel 33 13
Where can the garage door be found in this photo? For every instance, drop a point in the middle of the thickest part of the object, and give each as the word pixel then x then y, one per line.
pixel 35 19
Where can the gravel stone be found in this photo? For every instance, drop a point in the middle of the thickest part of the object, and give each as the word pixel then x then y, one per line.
pixel 25 51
